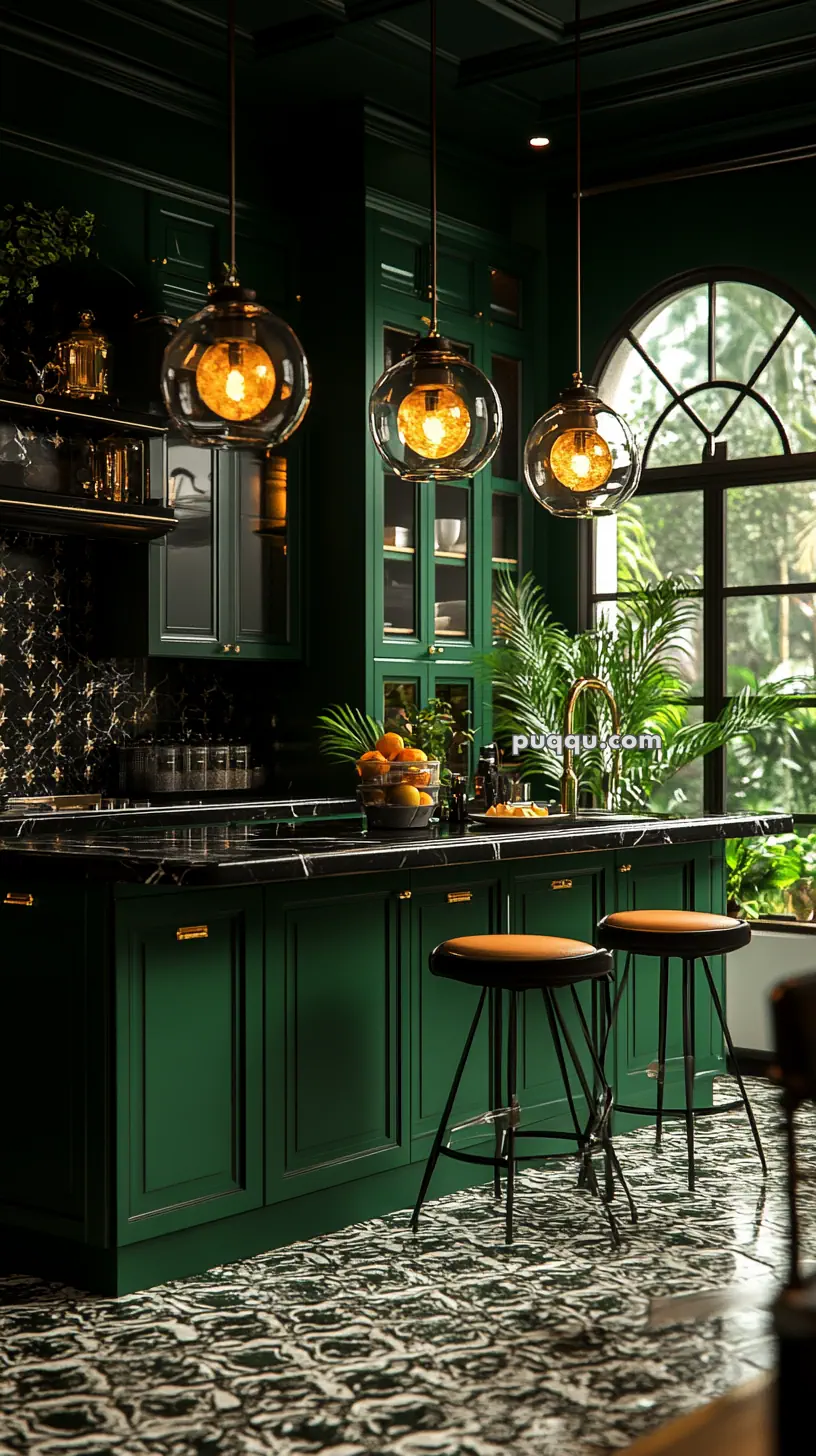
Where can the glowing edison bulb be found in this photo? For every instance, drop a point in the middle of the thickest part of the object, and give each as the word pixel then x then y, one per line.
pixel 235 379
pixel 581 460
pixel 433 421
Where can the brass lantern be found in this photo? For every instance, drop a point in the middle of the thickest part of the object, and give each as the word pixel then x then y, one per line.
pixel 273 515
pixel 82 360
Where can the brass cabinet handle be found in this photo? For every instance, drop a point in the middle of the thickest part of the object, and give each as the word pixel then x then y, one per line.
pixel 435 651
pixel 192 932
pixel 14 897
pixel 561 885
pixel 624 869
pixel 405 894
pixel 458 897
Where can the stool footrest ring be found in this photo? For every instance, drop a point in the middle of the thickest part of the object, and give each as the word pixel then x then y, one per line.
pixel 681 1111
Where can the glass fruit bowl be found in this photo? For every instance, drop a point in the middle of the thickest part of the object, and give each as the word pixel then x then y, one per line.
pixel 389 773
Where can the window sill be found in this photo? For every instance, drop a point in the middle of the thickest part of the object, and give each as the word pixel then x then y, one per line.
pixel 787 924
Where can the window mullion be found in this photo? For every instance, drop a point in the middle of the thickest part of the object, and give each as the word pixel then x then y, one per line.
pixel 714 638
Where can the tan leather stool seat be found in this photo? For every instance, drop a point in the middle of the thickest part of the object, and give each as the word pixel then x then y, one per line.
pixel 673 932
pixel 519 962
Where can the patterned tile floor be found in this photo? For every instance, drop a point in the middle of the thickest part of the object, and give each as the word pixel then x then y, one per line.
pixel 369 1341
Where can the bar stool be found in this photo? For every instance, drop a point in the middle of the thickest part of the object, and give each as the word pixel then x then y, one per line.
pixel 518 964
pixel 690 936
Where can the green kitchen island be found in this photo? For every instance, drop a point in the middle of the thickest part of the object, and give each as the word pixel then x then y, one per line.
pixel 220 1033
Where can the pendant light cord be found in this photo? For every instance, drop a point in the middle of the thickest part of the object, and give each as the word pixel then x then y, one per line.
pixel 434 320
pixel 233 275
pixel 578 184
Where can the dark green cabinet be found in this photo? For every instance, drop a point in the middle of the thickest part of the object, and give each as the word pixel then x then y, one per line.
pixel 222 584
pixel 443 907
pixel 189 1060
pixel 336 999
pixel 46 1058
pixel 435 551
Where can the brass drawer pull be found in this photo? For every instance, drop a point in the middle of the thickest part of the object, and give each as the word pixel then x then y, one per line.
pixel 192 932
pixel 624 869
pixel 15 898
pixel 459 897
pixel 405 894
pixel 561 885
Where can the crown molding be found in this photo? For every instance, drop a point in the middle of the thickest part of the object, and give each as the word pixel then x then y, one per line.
pixel 453 228
pixel 44 45
pixel 111 167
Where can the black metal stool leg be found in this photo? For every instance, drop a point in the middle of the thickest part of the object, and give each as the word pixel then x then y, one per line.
pixel 737 1073
pixel 433 1158
pixel 610 1156
pixel 661 1044
pixel 512 1104
pixel 587 1091
pixel 688 1062
pixel 559 1052
pixel 613 1012
pixel 497 1087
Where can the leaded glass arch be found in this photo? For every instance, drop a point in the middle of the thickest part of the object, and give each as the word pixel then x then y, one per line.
pixel 721 368
pixel 716 374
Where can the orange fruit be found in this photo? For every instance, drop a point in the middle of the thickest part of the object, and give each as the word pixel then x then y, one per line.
pixel 390 745
pixel 405 795
pixel 425 798
pixel 374 758
pixel 411 755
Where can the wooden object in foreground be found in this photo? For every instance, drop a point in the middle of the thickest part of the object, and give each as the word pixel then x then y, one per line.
pixel 739 1424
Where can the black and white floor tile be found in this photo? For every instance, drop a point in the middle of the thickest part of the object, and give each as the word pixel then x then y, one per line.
pixel 371 1341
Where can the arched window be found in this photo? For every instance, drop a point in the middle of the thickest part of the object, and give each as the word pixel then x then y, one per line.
pixel 717 376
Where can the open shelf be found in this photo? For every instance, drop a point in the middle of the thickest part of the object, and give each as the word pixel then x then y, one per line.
pixel 87 410
pixel 54 514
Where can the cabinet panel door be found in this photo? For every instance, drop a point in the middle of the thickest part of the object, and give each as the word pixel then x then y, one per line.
pixel 335 1063
pixel 44 1057
pixel 189 571
pixel 261 530
pixel 568 900
pixel 189 1002
pixel 442 1010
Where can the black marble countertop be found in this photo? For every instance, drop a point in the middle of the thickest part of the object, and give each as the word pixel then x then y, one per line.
pixel 261 850
pixel 18 821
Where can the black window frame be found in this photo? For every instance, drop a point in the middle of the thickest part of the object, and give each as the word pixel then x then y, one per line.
pixel 713 477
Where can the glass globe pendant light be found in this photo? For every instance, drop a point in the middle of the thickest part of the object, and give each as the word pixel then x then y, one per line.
pixel 581 458
pixel 234 374
pixel 434 415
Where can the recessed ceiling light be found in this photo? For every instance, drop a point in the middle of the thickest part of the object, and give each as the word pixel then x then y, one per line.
pixel 539 141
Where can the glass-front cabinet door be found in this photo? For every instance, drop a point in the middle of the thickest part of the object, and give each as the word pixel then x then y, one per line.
pixel 189 577
pixel 427 534
pixel 225 581
pixel 399 693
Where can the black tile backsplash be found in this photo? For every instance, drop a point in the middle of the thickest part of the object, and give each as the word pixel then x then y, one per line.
pixel 63 710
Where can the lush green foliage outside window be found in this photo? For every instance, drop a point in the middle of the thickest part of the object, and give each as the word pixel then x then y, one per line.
pixel 717 379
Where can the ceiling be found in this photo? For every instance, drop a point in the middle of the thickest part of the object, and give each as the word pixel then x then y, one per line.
pixel 665 83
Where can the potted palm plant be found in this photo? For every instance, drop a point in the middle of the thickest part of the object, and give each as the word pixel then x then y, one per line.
pixel 640 655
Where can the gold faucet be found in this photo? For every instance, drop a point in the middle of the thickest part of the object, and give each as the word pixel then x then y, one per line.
pixel 569 781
